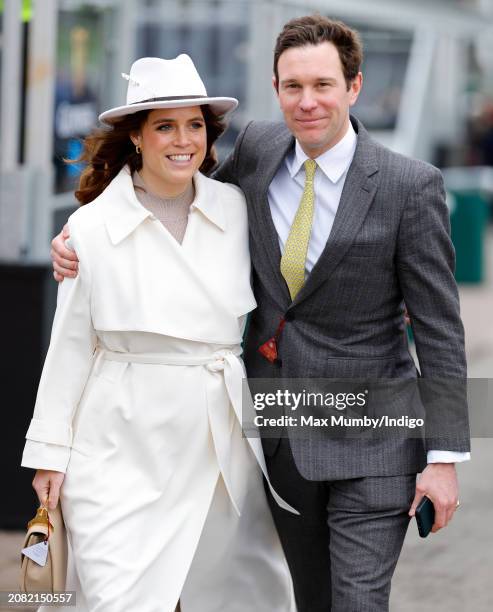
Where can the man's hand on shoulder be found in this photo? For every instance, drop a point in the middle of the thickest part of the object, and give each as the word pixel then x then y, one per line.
pixel 65 262
pixel 438 481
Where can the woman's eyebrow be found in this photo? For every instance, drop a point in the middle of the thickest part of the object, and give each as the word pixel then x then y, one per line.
pixel 171 120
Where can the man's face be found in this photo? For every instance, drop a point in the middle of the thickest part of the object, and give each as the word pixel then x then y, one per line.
pixel 313 96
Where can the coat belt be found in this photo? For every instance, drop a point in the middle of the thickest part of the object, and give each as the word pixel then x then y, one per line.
pixel 226 361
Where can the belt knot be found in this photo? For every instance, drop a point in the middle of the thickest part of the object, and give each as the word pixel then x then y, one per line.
pixel 218 361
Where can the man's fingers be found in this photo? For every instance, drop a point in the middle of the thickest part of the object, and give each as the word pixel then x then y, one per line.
pixel 63 271
pixel 60 250
pixel 440 521
pixel 65 262
pixel 451 508
pixel 65 258
pixel 417 498
pixel 450 514
pixel 444 510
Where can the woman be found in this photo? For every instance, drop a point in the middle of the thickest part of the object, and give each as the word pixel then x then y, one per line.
pixel 139 404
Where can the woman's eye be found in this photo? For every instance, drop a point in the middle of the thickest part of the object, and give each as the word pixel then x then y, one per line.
pixel 165 127
pixel 197 125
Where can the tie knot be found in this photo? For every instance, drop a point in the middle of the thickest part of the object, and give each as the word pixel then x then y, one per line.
pixel 310 167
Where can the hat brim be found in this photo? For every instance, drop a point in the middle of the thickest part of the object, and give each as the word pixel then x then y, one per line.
pixel 219 106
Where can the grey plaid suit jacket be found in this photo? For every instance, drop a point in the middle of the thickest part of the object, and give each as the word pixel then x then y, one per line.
pixel 389 245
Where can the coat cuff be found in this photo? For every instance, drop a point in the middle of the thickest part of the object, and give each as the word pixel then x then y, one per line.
pixel 42 456
pixel 51 432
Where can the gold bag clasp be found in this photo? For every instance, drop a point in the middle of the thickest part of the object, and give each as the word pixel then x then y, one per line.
pixel 41 518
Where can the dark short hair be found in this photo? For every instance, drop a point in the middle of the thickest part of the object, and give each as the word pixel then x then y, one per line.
pixel 107 150
pixel 317 29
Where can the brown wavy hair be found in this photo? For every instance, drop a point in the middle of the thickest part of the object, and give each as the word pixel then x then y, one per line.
pixel 317 29
pixel 106 150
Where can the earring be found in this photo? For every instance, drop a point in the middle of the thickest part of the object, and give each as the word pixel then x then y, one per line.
pixel 138 150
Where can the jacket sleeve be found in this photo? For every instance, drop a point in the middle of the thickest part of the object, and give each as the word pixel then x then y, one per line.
pixel 228 171
pixel 425 261
pixel 65 373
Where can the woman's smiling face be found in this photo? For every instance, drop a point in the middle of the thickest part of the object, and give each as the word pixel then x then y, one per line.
pixel 174 145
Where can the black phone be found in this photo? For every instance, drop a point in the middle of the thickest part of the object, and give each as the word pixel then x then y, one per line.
pixel 425 516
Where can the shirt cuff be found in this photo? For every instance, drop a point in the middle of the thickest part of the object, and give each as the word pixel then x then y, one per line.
pixel 43 456
pixel 440 456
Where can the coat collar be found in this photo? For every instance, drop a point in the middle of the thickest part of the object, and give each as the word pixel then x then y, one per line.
pixel 123 212
pixel 208 200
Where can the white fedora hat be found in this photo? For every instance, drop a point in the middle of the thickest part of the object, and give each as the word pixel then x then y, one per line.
pixel 159 83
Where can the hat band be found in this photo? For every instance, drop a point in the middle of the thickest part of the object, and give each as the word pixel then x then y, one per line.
pixel 167 98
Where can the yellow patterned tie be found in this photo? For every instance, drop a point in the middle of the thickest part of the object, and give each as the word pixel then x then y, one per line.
pixel 293 260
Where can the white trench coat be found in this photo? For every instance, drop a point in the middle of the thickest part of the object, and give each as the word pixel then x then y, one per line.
pixel 139 404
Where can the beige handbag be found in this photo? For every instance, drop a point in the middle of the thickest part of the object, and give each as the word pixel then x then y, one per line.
pixel 46 528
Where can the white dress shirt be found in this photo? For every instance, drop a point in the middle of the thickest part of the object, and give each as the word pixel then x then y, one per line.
pixel 287 186
pixel 284 195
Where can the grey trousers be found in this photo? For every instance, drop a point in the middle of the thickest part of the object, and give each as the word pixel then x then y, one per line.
pixel 343 549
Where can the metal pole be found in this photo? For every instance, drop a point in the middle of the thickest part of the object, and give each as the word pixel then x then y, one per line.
pixel 410 138
pixel 11 72
pixel 266 20
pixel 39 123
pixel 41 83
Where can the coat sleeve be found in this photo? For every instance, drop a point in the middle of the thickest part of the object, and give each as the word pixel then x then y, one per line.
pixel 65 373
pixel 425 261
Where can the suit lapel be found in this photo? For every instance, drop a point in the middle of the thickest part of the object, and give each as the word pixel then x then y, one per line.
pixel 264 233
pixel 356 198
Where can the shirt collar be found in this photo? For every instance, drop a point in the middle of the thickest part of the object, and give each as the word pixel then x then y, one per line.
pixel 333 163
pixel 123 213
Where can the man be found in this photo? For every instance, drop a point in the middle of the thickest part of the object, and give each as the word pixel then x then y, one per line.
pixel 343 232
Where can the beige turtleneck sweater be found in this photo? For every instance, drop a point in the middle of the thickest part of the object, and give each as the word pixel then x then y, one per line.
pixel 172 212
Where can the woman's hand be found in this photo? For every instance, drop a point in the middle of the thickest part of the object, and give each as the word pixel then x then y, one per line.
pixel 65 262
pixel 47 485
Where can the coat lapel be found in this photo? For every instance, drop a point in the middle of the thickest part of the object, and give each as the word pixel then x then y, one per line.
pixel 356 198
pixel 263 231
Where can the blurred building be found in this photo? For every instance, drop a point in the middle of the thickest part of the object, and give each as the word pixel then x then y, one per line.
pixel 428 65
